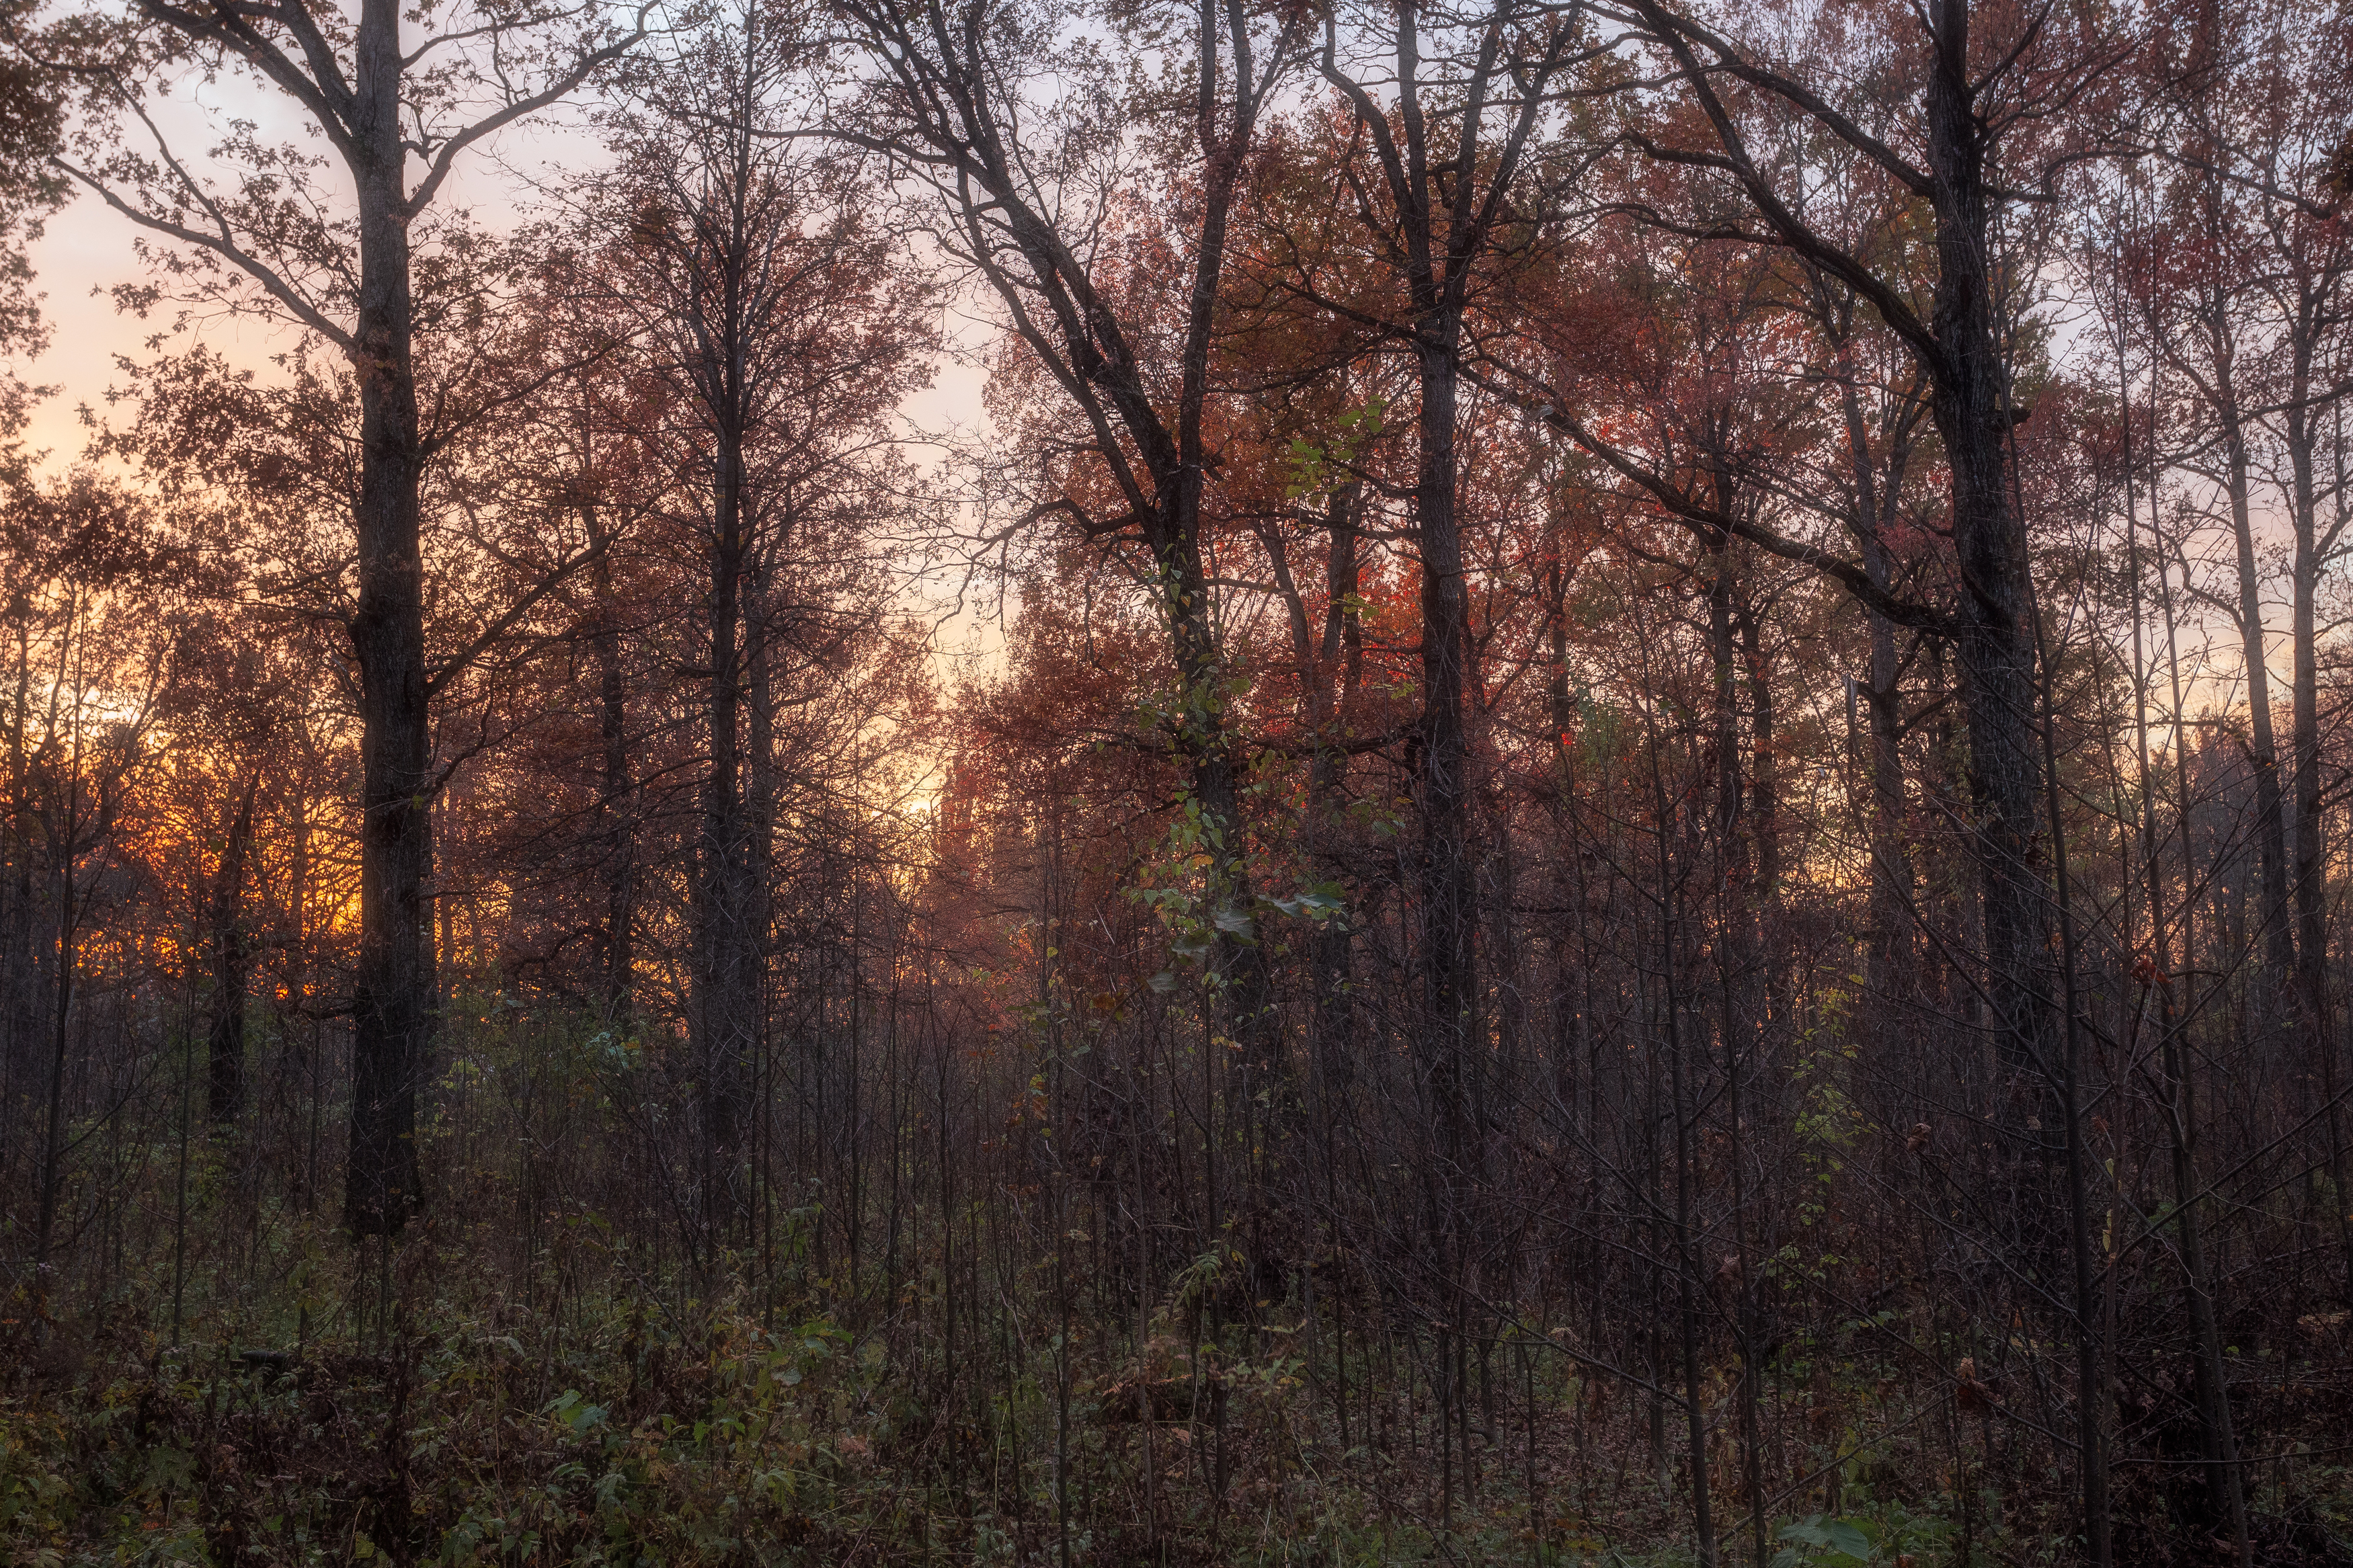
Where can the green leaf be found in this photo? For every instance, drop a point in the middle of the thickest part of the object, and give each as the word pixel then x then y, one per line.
pixel 1836 1542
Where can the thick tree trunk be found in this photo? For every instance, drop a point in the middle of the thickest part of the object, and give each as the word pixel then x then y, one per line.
pixel 1972 413
pixel 1440 223
pixel 1453 1042
pixel 1450 914
pixel 2008 745
pixel 392 986
pixel 1206 740
pixel 1178 462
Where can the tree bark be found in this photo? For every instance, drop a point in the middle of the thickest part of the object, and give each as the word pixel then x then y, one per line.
pixel 1450 914
pixel 392 987
pixel 1971 409
pixel 952 108
pixel 1444 204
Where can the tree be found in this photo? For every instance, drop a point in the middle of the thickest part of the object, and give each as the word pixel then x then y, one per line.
pixel 1448 187
pixel 88 661
pixel 1970 148
pixel 1030 193
pixel 260 238
pixel 764 293
pixel 2243 267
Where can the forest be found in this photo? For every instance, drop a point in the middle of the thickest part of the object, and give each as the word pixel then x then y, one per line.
pixel 1103 782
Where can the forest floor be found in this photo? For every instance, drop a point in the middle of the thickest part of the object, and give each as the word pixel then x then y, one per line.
pixel 299 1421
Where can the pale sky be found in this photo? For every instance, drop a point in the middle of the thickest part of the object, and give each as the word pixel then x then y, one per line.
pixel 88 250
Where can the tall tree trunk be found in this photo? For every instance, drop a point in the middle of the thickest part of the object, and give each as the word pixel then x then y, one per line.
pixel 1764 817
pixel 756 892
pixel 1339 662
pixel 2310 879
pixel 1737 949
pixel 2010 742
pixel 2270 825
pixel 1158 458
pixel 224 1079
pixel 53 1136
pixel 1888 941
pixel 20 1007
pixel 392 986
pixel 1972 413
pixel 1734 847
pixel 2209 1378
pixel 2312 551
pixel 1451 1038
pixel 1450 914
pixel 1444 202
pixel 727 972
pixel 1209 741
pixel 1682 1107
pixel 619 830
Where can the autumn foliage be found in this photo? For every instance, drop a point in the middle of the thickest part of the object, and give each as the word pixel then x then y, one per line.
pixel 1012 782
